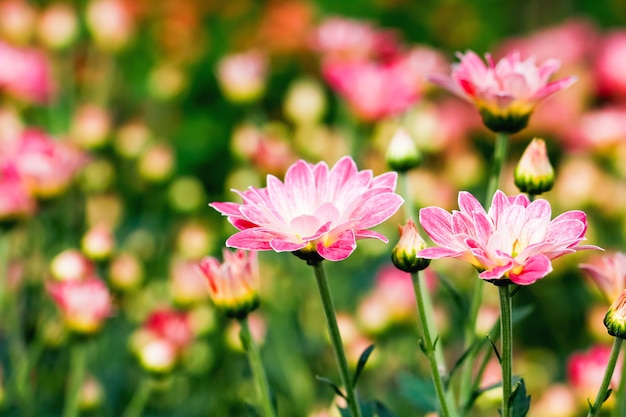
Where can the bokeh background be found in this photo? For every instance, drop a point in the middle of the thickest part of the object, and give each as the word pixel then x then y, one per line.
pixel 146 111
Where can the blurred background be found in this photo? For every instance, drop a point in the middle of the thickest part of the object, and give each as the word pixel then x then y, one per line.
pixel 121 120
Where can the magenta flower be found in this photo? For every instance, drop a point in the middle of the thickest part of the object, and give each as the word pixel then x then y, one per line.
pixel 515 240
pixel 505 92
pixel 315 211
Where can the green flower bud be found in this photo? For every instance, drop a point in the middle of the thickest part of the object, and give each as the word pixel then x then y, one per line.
pixel 402 153
pixel 404 254
pixel 615 319
pixel 534 173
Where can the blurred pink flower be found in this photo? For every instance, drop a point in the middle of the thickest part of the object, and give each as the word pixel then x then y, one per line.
pixel 15 200
pixel 505 92
pixel 84 304
pixel 374 90
pixel 609 64
pixel 608 272
pixel 316 210
pixel 46 165
pixel 514 240
pixel 598 128
pixel 171 325
pixel 351 39
pixel 585 371
pixel 234 283
pixel 25 73
pixel 571 42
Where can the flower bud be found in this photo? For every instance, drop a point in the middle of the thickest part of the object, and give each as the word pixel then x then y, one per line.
pixel 98 243
pixel 404 254
pixel 91 394
pixel 126 272
pixel 402 153
pixel 615 319
pixel 111 24
pixel 242 77
pixel 57 27
pixel 233 284
pixel 90 126
pixel 71 265
pixel 156 164
pixel 534 173
pixel 305 102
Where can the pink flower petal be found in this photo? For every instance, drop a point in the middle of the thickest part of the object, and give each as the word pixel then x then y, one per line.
pixel 534 268
pixel 251 239
pixel 342 247
pixel 437 223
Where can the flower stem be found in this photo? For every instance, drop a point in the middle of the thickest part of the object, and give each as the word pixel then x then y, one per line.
pixel 258 372
pixel 140 398
pixel 620 404
pixel 335 337
pixel 606 380
pixel 499 157
pixel 500 153
pixel 429 347
pixel 506 347
pixel 78 356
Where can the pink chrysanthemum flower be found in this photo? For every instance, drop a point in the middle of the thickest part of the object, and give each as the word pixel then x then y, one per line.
pixel 515 240
pixel 505 92
pixel 317 211
pixel 609 273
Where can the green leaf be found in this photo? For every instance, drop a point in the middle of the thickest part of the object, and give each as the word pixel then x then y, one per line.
pixel 608 394
pixel 519 401
pixel 456 296
pixel 418 391
pixel 332 385
pixel 380 410
pixel 362 362
pixel 251 411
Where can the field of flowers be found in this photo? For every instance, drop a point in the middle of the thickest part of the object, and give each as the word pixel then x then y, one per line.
pixel 449 175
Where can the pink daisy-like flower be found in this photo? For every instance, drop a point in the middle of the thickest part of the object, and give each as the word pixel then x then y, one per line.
pixel 505 92
pixel 608 272
pixel 515 240
pixel 316 210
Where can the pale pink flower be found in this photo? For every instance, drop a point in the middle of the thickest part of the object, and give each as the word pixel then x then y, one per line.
pixel 46 165
pixel 316 210
pixel 233 284
pixel 111 23
pixel 505 92
pixel 585 371
pixel 350 39
pixel 608 272
pixel 25 73
pixel 514 240
pixel 374 90
pixel 84 304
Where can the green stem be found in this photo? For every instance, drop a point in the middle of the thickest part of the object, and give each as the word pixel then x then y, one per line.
pixel 499 157
pixel 606 380
pixel 78 359
pixel 428 346
pixel 335 337
pixel 506 347
pixel 258 372
pixel 140 398
pixel 620 400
